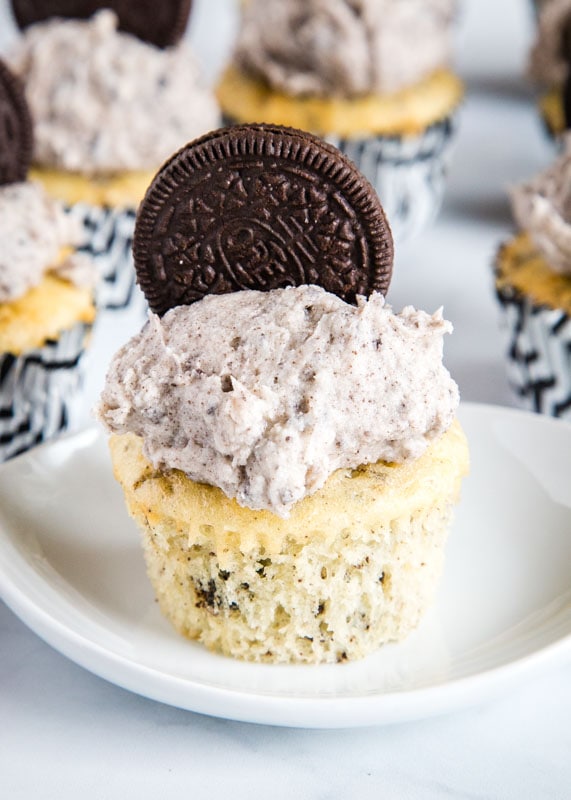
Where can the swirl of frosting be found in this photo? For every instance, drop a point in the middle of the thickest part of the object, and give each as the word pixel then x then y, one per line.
pixel 104 101
pixel 34 229
pixel 265 394
pixel 542 207
pixel 344 47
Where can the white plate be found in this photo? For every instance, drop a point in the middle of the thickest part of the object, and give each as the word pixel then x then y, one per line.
pixel 72 569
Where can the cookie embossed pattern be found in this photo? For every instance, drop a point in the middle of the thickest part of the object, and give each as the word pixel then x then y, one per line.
pixel 282 211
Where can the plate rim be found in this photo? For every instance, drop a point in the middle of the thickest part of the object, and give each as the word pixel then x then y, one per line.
pixel 245 705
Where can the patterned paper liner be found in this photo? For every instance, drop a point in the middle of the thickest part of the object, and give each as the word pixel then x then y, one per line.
pixel 408 173
pixel 40 391
pixel 109 239
pixel 538 350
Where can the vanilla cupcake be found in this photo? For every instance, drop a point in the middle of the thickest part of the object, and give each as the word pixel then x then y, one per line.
pixel 294 508
pixel 290 455
pixel 371 77
pixel 46 292
pixel 533 286
pixel 97 94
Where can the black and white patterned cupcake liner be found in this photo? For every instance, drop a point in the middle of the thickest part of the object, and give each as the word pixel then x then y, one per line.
pixel 408 173
pixel 40 391
pixel 538 350
pixel 109 240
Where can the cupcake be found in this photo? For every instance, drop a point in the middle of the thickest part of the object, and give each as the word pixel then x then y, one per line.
pixel 96 93
pixel 533 286
pixel 46 293
pixel 371 77
pixel 286 443
pixel 549 64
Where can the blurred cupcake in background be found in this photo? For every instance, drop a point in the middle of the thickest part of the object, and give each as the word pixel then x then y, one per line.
pixel 46 293
pixel 533 286
pixel 108 109
pixel 370 76
pixel 550 64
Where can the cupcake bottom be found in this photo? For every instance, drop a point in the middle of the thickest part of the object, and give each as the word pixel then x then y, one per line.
pixel 354 566
pixel 40 390
pixel 535 305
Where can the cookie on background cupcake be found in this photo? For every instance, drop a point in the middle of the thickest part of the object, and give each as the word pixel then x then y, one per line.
pixel 372 77
pixel 286 443
pixel 550 64
pixel 46 293
pixel 112 96
pixel 533 286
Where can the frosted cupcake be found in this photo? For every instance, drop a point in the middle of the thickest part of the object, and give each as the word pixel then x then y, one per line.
pixel 96 94
pixel 549 64
pixel 46 293
pixel 373 78
pixel 291 456
pixel 533 285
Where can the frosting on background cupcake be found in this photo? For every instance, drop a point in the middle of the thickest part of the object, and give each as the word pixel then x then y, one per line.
pixel 336 48
pixel 542 207
pixel 103 101
pixel 34 230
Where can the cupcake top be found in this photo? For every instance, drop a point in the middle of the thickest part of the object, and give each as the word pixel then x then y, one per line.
pixel 344 47
pixel 34 230
pixel 103 101
pixel 270 368
pixel 265 394
pixel 551 52
pixel 542 207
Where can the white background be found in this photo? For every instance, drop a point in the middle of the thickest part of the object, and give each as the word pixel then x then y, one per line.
pixel 65 733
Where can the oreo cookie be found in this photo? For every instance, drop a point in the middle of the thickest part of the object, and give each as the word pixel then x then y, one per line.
pixel 16 129
pixel 160 23
pixel 259 207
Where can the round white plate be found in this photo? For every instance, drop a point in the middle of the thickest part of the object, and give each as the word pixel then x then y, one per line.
pixel 71 567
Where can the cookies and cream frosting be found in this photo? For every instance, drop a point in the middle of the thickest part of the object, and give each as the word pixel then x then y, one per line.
pixel 550 54
pixel 265 394
pixel 103 101
pixel 34 230
pixel 344 47
pixel 542 207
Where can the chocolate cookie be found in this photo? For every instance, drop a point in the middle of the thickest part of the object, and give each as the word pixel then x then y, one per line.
pixel 16 137
pixel 162 23
pixel 259 207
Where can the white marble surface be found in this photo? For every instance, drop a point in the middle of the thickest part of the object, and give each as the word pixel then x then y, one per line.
pixel 65 732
